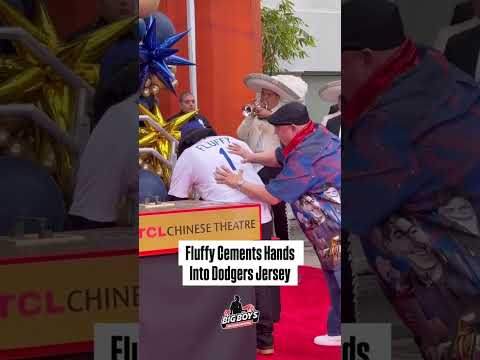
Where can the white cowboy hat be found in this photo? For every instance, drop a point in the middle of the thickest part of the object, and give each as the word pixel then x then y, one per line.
pixel 331 91
pixel 288 87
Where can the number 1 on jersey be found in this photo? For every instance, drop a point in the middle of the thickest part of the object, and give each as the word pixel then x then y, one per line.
pixel 230 162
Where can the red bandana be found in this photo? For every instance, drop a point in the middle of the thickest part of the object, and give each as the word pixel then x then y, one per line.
pixel 399 63
pixel 306 131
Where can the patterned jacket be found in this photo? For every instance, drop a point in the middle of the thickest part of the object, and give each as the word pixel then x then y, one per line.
pixel 310 182
pixel 411 184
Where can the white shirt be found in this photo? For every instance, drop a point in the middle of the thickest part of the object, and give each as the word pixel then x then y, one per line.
pixel 194 170
pixel 477 73
pixel 446 33
pixel 331 116
pixel 109 164
pixel 328 117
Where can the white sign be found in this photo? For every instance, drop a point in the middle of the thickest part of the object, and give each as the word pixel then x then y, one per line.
pixel 240 263
pixel 116 341
pixel 367 341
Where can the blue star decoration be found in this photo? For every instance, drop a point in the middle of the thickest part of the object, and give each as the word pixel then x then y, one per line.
pixel 155 58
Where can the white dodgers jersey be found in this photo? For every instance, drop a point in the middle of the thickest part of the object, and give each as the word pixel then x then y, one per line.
pixel 195 170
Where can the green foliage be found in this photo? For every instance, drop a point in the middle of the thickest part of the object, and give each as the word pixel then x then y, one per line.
pixel 284 37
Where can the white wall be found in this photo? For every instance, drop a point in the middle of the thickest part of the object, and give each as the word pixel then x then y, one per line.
pixel 423 19
pixel 322 63
pixel 316 107
pixel 323 20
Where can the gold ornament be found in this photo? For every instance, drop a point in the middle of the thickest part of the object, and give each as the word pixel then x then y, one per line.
pixel 464 344
pixel 21 149
pixel 47 154
pixel 32 79
pixel 149 137
pixel 153 84
pixel 12 123
pixel 4 138
pixel 147 162
pixel 155 90
pixel 25 79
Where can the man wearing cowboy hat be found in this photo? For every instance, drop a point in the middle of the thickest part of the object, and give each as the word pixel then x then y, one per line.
pixel 272 92
pixel 330 93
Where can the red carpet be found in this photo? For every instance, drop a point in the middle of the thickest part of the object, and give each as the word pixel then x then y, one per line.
pixel 304 316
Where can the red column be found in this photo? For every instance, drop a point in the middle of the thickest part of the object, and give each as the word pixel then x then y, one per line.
pixel 228 48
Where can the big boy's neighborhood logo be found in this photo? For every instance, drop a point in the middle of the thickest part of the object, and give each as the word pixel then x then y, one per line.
pixel 239 315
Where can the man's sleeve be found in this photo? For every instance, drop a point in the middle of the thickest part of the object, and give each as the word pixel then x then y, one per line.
pixel 279 156
pixel 372 194
pixel 243 144
pixel 182 178
pixel 246 129
pixel 205 121
pixel 299 176
pixel 333 125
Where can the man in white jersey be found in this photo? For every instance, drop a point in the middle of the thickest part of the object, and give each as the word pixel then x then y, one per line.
pixel 201 151
pixel 195 167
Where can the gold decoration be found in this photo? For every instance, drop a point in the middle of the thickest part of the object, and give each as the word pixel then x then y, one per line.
pixel 12 123
pixel 20 148
pixel 48 157
pixel 152 165
pixel 149 137
pixel 25 79
pixel 153 84
pixel 4 138
pixel 464 344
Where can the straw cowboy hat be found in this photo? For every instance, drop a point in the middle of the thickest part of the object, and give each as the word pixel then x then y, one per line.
pixel 288 87
pixel 331 91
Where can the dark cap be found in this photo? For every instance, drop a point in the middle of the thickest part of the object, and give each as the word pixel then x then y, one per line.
pixel 293 113
pixel 371 24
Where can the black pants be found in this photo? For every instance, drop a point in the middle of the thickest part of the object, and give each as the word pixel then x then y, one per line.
pixel 348 301
pixel 280 220
pixel 80 223
pixel 267 302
